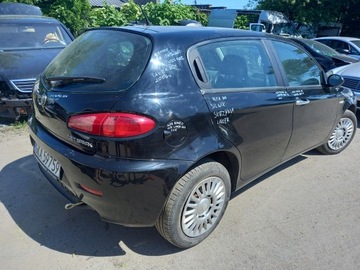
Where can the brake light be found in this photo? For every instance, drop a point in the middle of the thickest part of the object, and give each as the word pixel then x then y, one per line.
pixel 117 125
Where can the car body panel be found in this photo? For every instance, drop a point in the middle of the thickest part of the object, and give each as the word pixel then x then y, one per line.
pixel 250 130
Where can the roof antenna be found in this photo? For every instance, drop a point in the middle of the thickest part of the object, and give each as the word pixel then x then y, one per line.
pixel 146 17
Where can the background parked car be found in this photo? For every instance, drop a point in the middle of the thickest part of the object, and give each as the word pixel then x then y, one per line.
pixel 326 56
pixel 351 75
pixel 345 45
pixel 28 43
pixel 158 125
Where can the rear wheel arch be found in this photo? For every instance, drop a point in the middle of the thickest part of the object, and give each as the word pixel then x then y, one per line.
pixel 230 162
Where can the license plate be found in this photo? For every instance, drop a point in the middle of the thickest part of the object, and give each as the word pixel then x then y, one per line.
pixel 48 161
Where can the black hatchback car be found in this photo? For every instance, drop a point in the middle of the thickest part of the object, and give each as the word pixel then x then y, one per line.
pixel 159 125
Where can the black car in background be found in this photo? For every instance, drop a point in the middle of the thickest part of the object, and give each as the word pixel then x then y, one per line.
pixel 159 125
pixel 28 43
pixel 327 57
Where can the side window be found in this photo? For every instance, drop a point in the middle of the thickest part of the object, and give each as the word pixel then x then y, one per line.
pixel 300 69
pixel 353 50
pixel 237 64
pixel 339 45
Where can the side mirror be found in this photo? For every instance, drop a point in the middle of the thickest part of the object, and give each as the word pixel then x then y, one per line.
pixel 258 27
pixel 335 80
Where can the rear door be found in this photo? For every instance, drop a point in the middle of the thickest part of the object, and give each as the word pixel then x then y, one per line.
pixel 315 105
pixel 248 105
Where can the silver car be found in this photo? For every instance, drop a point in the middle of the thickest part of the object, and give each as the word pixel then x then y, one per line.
pixel 351 75
pixel 345 45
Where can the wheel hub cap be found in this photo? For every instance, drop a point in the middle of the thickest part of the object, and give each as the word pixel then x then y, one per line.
pixel 204 206
pixel 342 134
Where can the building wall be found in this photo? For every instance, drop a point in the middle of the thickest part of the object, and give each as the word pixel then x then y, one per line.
pixel 143 2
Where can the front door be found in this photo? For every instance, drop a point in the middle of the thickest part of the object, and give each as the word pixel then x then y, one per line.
pixel 315 106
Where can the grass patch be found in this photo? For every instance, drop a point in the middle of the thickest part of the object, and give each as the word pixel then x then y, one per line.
pixel 19 124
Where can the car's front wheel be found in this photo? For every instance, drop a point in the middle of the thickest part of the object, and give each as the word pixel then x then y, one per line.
pixel 196 205
pixel 342 135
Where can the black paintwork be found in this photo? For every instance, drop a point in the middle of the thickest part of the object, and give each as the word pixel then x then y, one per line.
pixel 137 174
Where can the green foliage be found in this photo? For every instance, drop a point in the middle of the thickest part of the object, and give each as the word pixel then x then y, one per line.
pixel 77 14
pixel 158 14
pixel 106 16
pixel 168 13
pixel 318 12
pixel 131 11
pixel 305 11
pixel 242 22
pixel 73 13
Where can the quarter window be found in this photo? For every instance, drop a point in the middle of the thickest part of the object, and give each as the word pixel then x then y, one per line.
pixel 299 68
pixel 237 64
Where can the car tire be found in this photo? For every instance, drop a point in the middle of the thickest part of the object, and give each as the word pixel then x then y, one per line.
pixel 195 205
pixel 342 135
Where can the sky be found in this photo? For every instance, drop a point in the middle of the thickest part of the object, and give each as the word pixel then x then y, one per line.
pixel 239 4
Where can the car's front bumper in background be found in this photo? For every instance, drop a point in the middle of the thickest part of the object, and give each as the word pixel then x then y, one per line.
pixel 15 108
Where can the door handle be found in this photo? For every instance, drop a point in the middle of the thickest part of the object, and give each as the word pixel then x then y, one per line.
pixel 301 102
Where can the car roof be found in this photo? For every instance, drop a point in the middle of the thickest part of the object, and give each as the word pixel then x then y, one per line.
pixel 188 34
pixel 26 19
pixel 338 38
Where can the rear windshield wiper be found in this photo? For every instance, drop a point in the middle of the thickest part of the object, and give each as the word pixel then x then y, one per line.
pixel 78 79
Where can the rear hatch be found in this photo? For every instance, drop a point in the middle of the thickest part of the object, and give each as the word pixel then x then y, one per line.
pixel 89 76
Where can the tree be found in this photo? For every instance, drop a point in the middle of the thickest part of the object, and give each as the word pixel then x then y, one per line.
pixel 106 16
pixel 310 12
pixel 168 13
pixel 74 14
pixel 77 14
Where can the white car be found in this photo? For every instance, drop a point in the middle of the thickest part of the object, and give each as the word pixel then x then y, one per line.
pixel 345 45
pixel 351 75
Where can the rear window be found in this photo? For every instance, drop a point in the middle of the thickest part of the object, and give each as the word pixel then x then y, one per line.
pixel 32 36
pixel 115 57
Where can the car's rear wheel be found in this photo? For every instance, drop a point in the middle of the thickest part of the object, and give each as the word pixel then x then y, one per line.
pixel 196 205
pixel 342 135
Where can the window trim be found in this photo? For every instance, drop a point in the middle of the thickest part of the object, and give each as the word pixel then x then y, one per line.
pixel 206 86
pixel 280 65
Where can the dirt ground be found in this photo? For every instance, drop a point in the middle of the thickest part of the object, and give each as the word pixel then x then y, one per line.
pixel 303 215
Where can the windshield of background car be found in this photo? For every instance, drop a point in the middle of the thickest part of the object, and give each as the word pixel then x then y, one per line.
pixel 16 36
pixel 116 58
pixel 356 43
pixel 320 48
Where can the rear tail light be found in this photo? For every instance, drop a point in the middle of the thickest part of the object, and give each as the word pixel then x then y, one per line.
pixel 118 125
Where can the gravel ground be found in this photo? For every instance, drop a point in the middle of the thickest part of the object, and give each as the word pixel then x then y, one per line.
pixel 303 215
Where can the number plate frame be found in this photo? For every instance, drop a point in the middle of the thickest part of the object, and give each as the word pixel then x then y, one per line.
pixel 47 161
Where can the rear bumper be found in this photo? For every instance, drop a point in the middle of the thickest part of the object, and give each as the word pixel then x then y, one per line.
pixel 133 192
